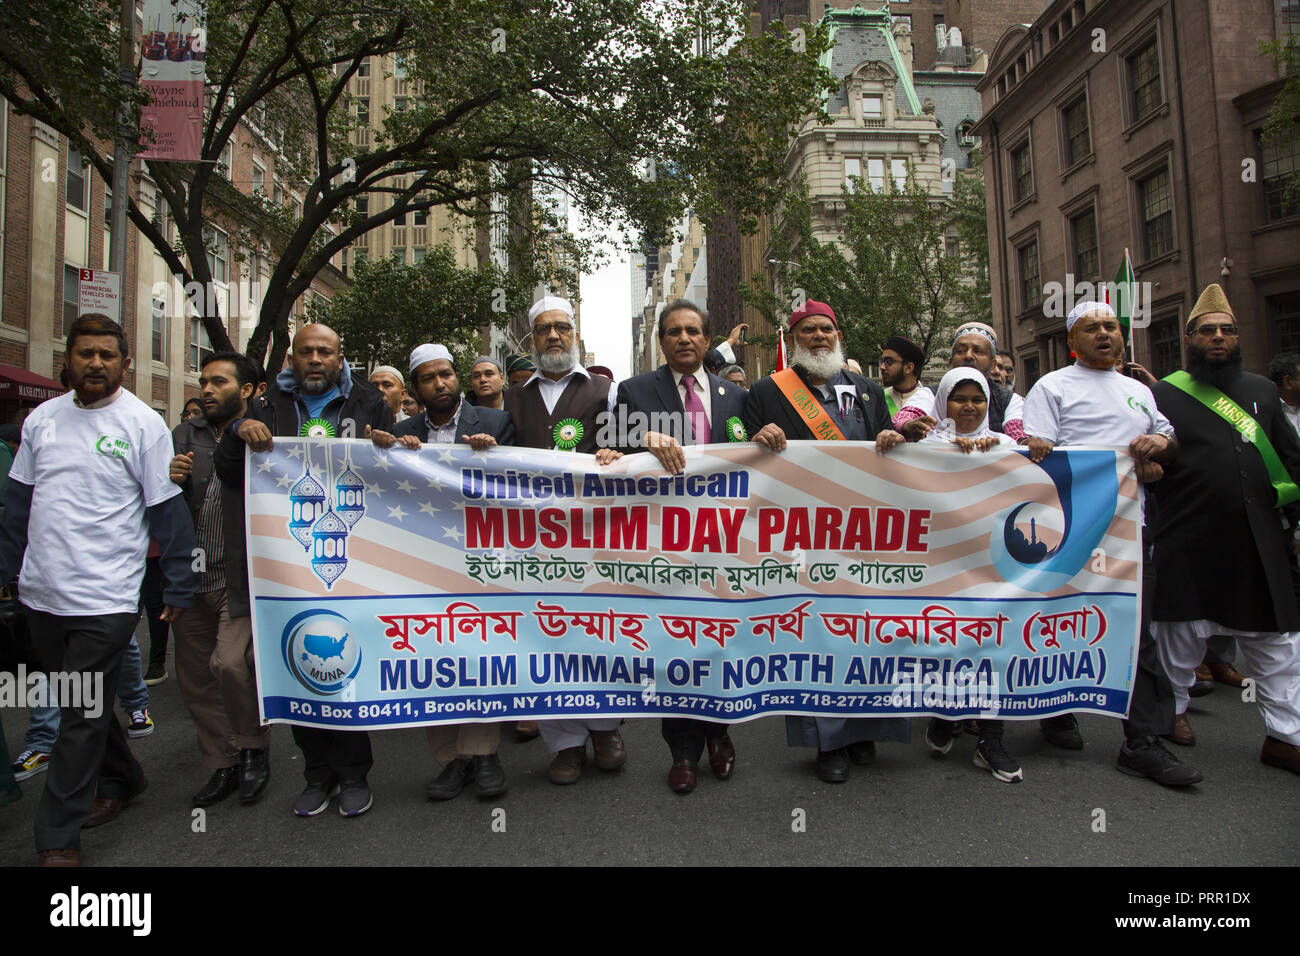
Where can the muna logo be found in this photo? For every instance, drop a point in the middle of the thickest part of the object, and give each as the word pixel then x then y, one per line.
pixel 1088 488
pixel 320 651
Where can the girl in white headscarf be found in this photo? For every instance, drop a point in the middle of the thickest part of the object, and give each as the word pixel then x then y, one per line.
pixel 962 403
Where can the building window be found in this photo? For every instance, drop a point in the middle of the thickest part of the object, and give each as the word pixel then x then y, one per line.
pixel 417 255
pixel 78 185
pixel 873 107
pixel 401 104
pixel 363 206
pixel 420 217
pixel 898 170
pixel 1078 142
pixel 1022 171
pixel 217 245
pixel 363 68
pixel 876 173
pixel 1031 291
pixel 71 291
pixel 363 111
pixel 200 344
pixel 1290 16
pixel 159 312
pixel 1028 372
pixel 277 194
pixel 1144 79
pixel 1284 315
pixel 259 179
pixel 1166 347
pixel 1084 230
pixel 1280 166
pixel 852 173
pixel 964 136
pixel 226 165
pixel 399 220
pixel 1156 196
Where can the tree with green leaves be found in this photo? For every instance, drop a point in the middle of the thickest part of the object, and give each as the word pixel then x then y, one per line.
pixel 605 99
pixel 889 272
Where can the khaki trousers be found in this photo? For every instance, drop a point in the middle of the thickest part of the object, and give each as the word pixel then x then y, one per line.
pixel 449 741
pixel 214 666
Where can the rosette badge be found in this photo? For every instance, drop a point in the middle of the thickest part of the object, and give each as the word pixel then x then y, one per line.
pixel 317 428
pixel 736 429
pixel 567 434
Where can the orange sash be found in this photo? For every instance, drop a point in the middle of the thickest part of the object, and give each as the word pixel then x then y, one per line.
pixel 809 409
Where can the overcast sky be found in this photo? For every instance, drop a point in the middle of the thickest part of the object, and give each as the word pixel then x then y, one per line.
pixel 607 305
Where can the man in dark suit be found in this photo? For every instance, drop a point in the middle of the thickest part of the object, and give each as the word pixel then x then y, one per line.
pixel 695 407
pixel 468 752
pixel 851 408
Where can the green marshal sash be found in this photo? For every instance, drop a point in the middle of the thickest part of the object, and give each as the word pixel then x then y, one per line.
pixel 893 405
pixel 1213 399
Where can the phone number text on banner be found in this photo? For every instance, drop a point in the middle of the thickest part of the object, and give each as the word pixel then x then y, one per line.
pixel 396 588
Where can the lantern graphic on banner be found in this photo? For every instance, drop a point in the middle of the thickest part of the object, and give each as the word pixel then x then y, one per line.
pixel 307 501
pixel 350 494
pixel 330 549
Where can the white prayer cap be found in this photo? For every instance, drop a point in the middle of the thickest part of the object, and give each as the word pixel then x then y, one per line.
pixel 1083 308
pixel 388 370
pixel 548 303
pixel 977 328
pixel 427 353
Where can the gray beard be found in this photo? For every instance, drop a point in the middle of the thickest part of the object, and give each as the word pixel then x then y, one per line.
pixel 818 366
pixel 316 388
pixel 557 364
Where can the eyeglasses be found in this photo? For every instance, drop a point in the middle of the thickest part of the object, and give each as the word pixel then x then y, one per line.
pixel 561 328
pixel 887 362
pixel 1210 329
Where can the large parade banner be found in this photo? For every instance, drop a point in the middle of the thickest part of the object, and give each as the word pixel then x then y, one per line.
pixel 396 588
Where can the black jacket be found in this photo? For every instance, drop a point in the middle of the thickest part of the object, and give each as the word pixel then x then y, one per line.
pixel 1221 553
pixel 473 420
pixel 767 405
pixel 657 392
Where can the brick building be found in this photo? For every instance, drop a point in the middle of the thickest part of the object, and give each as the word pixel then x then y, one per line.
pixel 1110 125
pixel 54 222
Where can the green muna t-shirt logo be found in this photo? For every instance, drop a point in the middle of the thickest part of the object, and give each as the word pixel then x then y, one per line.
pixel 112 447
pixel 1137 406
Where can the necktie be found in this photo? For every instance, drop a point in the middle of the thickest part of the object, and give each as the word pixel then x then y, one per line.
pixel 695 411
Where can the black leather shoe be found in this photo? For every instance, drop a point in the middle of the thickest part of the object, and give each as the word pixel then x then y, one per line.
pixel 489 776
pixel 1062 731
pixel 453 779
pixel 862 753
pixel 832 766
pixel 254 774
pixel 220 785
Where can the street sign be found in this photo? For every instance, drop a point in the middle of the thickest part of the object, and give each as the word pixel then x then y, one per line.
pixel 99 291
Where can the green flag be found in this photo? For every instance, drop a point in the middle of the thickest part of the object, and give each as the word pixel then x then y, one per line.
pixel 1122 302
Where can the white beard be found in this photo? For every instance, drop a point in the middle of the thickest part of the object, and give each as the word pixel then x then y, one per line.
pixel 557 364
pixel 818 366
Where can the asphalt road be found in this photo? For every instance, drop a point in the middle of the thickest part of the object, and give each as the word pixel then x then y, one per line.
pixel 907 809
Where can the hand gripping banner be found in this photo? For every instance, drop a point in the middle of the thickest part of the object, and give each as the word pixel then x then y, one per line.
pixel 396 588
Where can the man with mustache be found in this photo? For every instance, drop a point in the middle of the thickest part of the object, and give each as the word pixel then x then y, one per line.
pixel 1088 404
pixel 698 408
pixel 1222 554
pixel 856 408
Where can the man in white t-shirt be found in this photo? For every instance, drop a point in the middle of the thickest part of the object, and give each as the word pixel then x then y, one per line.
pixel 88 487
pixel 1090 403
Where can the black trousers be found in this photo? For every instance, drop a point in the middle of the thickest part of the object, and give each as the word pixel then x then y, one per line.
pixel 333 756
pixel 686 735
pixel 91 756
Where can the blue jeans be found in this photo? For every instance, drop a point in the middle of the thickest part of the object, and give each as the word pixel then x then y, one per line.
pixel 43 727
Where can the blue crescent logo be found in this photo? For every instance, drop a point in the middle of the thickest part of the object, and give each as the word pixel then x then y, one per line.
pixel 1088 488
